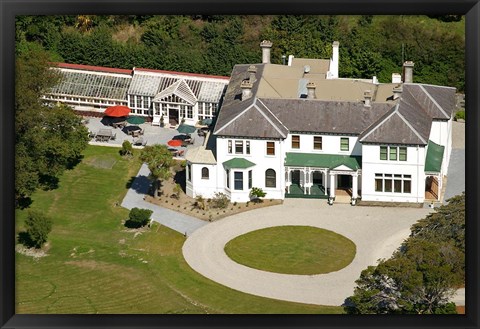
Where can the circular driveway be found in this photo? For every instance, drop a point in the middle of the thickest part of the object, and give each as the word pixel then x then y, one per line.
pixel 376 232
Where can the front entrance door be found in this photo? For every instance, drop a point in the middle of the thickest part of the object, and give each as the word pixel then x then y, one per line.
pixel 296 177
pixel 344 181
pixel 173 115
pixel 317 178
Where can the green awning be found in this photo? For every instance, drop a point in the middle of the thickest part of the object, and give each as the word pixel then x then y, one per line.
pixel 433 161
pixel 329 161
pixel 238 163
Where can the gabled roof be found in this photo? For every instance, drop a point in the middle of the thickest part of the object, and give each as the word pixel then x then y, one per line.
pixel 437 101
pixel 434 158
pixel 329 161
pixel 255 121
pixel 396 128
pixel 179 89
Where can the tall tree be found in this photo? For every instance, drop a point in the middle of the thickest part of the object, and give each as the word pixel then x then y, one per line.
pixel 159 160
pixel 49 138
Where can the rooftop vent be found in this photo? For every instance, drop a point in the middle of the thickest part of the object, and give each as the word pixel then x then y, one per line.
pixel 251 73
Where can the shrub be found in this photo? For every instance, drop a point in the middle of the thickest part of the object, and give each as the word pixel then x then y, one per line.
pixel 460 115
pixel 38 226
pixel 220 200
pixel 200 202
pixel 138 217
pixel 256 193
pixel 127 149
pixel 177 189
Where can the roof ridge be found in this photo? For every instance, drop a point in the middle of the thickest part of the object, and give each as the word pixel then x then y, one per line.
pixel 380 123
pixel 433 100
pixel 268 119
pixel 411 127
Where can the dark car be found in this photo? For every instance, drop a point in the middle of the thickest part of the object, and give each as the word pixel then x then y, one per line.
pixel 184 138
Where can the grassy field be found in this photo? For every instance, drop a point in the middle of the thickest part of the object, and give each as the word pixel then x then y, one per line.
pixel 94 265
pixel 292 250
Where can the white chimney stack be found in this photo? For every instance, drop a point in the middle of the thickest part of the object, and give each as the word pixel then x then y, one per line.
pixel 367 95
pixel 266 46
pixel 396 78
pixel 408 72
pixel 246 86
pixel 311 90
pixel 333 72
pixel 290 60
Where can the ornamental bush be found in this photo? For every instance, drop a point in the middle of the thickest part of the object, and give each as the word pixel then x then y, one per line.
pixel 138 217
pixel 220 200
pixel 38 226
pixel 256 193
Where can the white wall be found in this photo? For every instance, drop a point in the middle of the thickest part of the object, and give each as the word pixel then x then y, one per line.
pixel 258 155
pixel 203 187
pixel 330 144
pixel 414 166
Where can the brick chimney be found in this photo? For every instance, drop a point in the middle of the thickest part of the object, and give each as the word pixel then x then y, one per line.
pixel 246 86
pixel 266 46
pixel 311 90
pixel 367 95
pixel 408 72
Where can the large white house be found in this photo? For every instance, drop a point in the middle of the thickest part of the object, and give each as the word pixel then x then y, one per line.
pixel 177 96
pixel 298 130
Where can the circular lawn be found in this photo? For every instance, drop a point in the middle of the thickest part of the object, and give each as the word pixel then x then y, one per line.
pixel 292 250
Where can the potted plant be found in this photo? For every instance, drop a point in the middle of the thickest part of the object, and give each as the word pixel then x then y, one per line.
pixel 162 122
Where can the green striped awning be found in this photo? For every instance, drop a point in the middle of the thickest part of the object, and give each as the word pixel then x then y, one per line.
pixel 434 158
pixel 238 163
pixel 323 160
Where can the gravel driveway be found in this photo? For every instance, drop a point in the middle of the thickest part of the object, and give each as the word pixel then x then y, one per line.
pixel 376 231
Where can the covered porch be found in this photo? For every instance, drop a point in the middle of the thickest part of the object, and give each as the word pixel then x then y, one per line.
pixel 322 176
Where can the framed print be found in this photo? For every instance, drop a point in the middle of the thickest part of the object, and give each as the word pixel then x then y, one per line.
pixel 239 164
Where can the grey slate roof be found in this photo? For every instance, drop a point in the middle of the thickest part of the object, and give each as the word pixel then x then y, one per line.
pixel 317 116
pixel 407 120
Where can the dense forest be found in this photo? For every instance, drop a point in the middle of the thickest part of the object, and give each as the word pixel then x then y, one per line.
pixel 369 45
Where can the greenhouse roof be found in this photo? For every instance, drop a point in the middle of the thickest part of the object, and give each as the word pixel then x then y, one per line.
pixel 78 83
pixel 152 84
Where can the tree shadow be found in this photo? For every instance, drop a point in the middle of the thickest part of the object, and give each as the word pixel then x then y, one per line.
pixel 180 177
pixel 131 224
pixel 74 162
pixel 140 184
pixel 48 182
pixel 24 202
pixel 25 239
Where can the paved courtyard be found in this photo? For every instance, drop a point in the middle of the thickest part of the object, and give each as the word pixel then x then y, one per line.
pixel 152 134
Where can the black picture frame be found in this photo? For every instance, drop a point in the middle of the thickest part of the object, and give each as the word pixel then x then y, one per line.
pixel 10 8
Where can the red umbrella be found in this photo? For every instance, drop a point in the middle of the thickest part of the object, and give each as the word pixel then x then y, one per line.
pixel 174 142
pixel 117 111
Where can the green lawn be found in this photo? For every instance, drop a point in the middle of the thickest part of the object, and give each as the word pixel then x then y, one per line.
pixel 292 250
pixel 95 265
